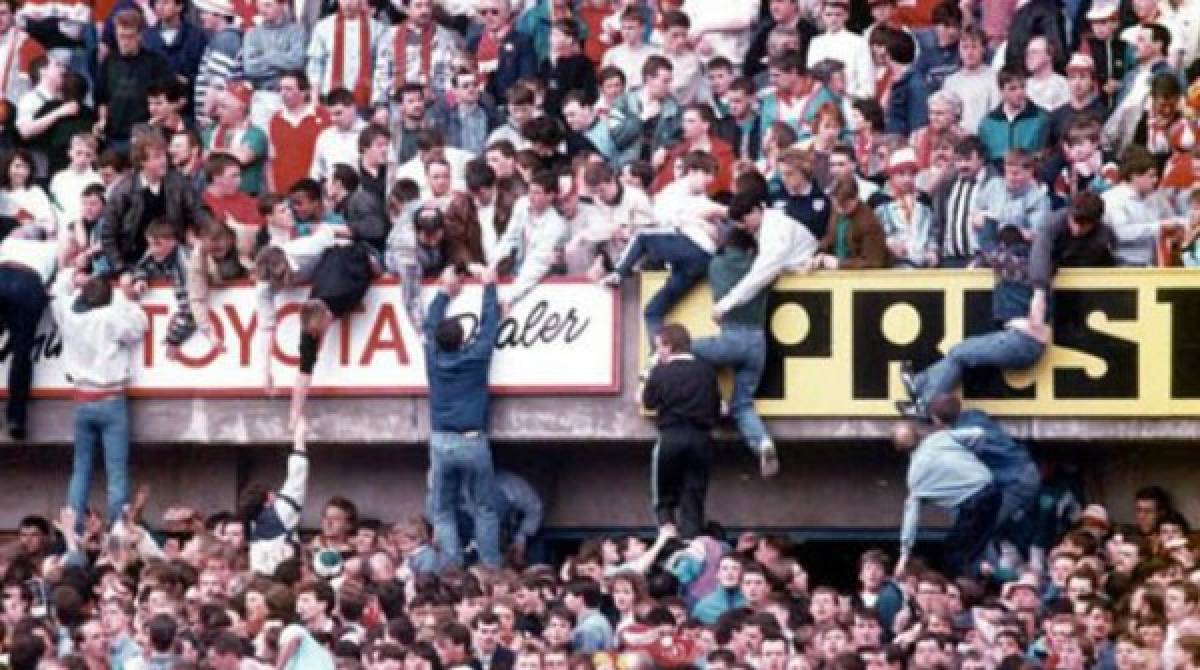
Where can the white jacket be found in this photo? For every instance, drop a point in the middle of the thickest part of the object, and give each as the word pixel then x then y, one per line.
pixel 725 24
pixel 784 244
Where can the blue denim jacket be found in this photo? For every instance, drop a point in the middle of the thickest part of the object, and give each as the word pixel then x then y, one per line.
pixel 1008 459
pixel 458 380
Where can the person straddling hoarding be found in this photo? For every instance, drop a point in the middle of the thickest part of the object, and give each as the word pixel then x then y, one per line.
pixel 784 245
pixel 27 263
pixel 1011 466
pixel 943 470
pixel 457 370
pixel 686 240
pixel 682 392
pixel 1023 272
pixel 339 282
pixel 741 344
pixel 102 331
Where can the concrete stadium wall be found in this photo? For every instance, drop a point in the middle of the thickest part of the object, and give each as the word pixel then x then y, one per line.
pixel 589 456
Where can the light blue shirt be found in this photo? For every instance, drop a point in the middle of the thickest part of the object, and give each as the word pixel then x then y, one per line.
pixel 310 655
pixel 942 471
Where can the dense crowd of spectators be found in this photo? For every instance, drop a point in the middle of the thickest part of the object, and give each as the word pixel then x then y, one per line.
pixel 323 143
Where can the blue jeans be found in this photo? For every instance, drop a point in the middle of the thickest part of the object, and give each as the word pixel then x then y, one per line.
pixel 689 264
pixel 743 348
pixel 1007 349
pixel 105 424
pixel 22 301
pixel 457 461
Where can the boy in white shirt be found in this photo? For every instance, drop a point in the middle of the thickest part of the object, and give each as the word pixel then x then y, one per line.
pixel 66 188
pixel 631 54
pixel 686 241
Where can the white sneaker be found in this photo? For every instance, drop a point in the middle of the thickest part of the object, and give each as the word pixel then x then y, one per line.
pixel 611 279
pixel 768 460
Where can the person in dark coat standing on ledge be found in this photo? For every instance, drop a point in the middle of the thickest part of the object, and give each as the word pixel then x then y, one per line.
pixel 682 391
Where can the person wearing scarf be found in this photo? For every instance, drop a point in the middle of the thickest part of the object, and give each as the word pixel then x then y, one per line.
pixel 419 51
pixel 235 136
pixel 344 53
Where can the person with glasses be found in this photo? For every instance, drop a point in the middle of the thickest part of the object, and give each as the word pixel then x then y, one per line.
pixel 470 117
pixel 504 55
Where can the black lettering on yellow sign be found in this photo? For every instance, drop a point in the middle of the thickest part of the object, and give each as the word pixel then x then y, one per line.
pixel 817 342
pixel 1125 342
pixel 1185 340
pixel 873 350
pixel 1071 330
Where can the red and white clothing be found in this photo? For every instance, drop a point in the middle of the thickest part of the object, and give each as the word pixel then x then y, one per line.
pixel 424 56
pixel 292 141
pixel 343 53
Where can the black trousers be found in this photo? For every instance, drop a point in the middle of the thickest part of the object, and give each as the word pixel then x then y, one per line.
pixel 972 530
pixel 679 471
pixel 22 301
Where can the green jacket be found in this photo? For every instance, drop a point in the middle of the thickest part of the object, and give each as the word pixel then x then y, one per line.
pixel 725 270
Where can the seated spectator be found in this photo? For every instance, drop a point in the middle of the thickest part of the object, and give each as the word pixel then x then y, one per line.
pixel 974 82
pixel 235 136
pixel 214 263
pixel 533 237
pixel 338 142
pixel 854 240
pixel 1162 120
pixel 166 259
pixel 648 119
pixel 1017 123
pixel 23 199
pixel 800 197
pixel 358 207
pixel 1137 211
pixel 906 109
pixel 1015 199
pixel 906 218
pixel 470 120
pixel 230 206
pixel 945 111
pixel 1046 88
pixel 148 193
pixel 67 185
pixel 1081 164
pixel 698 126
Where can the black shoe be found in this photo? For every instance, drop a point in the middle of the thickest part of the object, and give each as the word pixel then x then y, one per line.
pixel 17 432
pixel 909 379
pixel 911 409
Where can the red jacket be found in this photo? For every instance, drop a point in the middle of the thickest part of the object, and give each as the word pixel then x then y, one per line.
pixel 720 151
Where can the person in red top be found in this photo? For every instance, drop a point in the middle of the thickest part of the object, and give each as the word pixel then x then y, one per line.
pixel 293 133
pixel 592 14
pixel 229 204
pixel 698 122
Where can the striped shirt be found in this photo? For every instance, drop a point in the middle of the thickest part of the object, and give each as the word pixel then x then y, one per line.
pixel 173 268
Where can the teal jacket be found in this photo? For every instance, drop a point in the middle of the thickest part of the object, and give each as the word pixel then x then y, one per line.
pixel 1028 131
pixel 710 608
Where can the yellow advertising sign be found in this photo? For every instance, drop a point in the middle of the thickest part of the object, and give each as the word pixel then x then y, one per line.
pixel 1126 342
